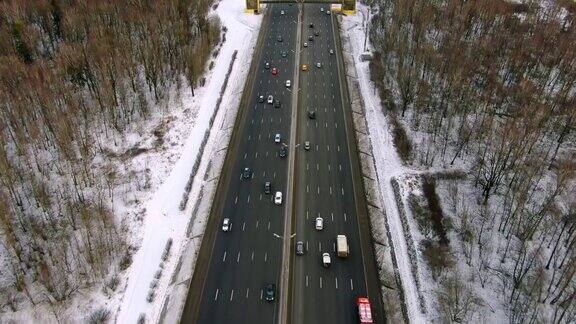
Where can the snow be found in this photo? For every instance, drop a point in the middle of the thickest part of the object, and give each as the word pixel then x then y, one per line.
pixel 150 185
pixel 483 275
pixel 163 219
pixel 388 163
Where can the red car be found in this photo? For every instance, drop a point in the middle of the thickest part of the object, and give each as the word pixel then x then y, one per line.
pixel 274 71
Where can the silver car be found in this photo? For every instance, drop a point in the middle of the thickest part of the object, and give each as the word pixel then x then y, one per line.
pixel 226 225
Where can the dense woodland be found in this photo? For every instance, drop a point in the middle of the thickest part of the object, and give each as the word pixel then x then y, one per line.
pixel 490 87
pixel 74 77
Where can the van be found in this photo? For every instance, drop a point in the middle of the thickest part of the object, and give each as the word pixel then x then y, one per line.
pixel 342 246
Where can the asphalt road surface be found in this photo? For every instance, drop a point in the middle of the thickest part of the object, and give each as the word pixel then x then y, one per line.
pixel 233 267
pixel 248 257
pixel 325 189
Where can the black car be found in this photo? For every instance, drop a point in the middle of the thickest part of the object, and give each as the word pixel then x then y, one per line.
pixel 277 103
pixel 311 25
pixel 284 53
pixel 267 187
pixel 310 38
pixel 317 33
pixel 261 98
pixel 279 38
pixel 270 292
pixel 247 173
pixel 283 151
pixel 300 248
pixel 311 114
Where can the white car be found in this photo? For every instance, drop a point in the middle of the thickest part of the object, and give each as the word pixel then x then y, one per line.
pixel 319 224
pixel 305 44
pixel 282 12
pixel 322 9
pixel 328 12
pixel 277 138
pixel 326 260
pixel 226 225
pixel 278 198
pixel 270 99
pixel 287 83
pixel 318 65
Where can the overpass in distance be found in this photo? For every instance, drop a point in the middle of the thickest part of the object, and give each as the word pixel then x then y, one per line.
pixel 348 6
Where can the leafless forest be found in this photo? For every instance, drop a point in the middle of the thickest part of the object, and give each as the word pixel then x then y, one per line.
pixel 490 88
pixel 74 76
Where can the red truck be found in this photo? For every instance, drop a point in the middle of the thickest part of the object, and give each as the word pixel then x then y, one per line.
pixel 364 311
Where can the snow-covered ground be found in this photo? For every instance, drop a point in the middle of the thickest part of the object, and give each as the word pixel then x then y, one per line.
pixel 481 274
pixel 387 162
pixel 164 220
pixel 150 186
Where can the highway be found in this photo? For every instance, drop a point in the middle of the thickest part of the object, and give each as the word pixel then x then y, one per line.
pixel 228 283
pixel 233 267
pixel 324 178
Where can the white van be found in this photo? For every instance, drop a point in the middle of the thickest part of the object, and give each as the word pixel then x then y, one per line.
pixel 342 246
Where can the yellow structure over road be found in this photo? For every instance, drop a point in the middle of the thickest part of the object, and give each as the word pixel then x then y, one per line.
pixel 348 6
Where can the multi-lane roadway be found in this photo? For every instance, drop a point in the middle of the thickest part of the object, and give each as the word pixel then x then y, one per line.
pixel 326 188
pixel 234 267
pixel 248 257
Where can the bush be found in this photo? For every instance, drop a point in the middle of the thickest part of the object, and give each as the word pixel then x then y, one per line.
pixel 151 296
pixel 401 140
pixel 456 300
pixel 167 249
pixel 437 256
pixel 99 316
pixel 126 260
pixel 421 215
pixel 436 213
pixel 113 282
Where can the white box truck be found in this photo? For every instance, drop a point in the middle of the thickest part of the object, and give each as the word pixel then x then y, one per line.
pixel 342 246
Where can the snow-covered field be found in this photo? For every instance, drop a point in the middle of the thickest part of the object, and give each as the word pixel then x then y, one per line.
pixel 150 190
pixel 476 275
pixel 387 162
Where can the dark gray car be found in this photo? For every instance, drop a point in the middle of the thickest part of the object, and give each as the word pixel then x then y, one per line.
pixel 300 248
pixel 270 292
pixel 267 187
pixel 247 173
